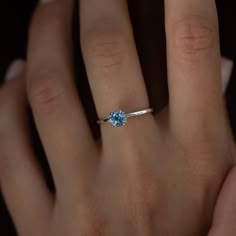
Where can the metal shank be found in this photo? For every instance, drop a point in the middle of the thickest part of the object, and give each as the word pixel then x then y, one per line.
pixel 128 115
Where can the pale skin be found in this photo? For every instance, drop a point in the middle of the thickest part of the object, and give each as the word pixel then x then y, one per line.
pixel 158 175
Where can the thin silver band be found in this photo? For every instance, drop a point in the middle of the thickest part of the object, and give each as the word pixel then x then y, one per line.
pixel 128 115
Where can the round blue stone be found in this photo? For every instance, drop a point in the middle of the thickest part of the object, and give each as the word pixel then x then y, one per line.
pixel 118 118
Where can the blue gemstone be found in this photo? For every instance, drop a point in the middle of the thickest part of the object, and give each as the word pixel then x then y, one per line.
pixel 118 118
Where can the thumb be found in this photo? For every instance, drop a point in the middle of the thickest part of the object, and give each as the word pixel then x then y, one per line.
pixel 224 221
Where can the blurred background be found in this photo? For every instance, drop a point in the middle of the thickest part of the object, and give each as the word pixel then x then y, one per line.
pixel 148 21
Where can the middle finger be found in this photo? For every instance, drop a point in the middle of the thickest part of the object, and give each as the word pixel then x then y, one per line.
pixel 58 113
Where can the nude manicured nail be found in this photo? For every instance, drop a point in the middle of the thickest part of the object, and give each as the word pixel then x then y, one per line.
pixel 15 69
pixel 226 71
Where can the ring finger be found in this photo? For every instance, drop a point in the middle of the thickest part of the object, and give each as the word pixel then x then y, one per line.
pixel 111 58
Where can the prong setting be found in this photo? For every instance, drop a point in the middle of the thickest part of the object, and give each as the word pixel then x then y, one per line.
pixel 118 118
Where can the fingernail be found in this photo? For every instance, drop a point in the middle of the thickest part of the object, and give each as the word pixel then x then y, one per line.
pixel 15 69
pixel 226 71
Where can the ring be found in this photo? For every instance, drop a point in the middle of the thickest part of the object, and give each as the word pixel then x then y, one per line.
pixel 119 118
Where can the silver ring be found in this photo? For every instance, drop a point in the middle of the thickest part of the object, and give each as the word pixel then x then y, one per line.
pixel 119 118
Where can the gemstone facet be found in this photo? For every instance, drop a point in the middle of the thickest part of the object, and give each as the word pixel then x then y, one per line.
pixel 118 118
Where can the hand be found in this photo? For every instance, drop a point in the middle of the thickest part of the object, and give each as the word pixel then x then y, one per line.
pixel 157 175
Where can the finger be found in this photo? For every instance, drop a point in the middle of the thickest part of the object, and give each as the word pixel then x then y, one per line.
pixel 225 213
pixel 226 72
pixel 193 62
pixel 21 180
pixel 58 113
pixel 110 57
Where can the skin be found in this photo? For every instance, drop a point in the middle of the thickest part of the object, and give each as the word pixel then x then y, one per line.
pixel 159 175
pixel 225 212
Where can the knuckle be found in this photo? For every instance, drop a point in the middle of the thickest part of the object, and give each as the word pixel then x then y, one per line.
pixel 202 147
pixel 45 89
pixel 106 46
pixel 203 157
pixel 143 197
pixel 193 36
pixel 91 213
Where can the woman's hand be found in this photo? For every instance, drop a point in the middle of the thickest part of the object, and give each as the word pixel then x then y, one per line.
pixel 156 175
